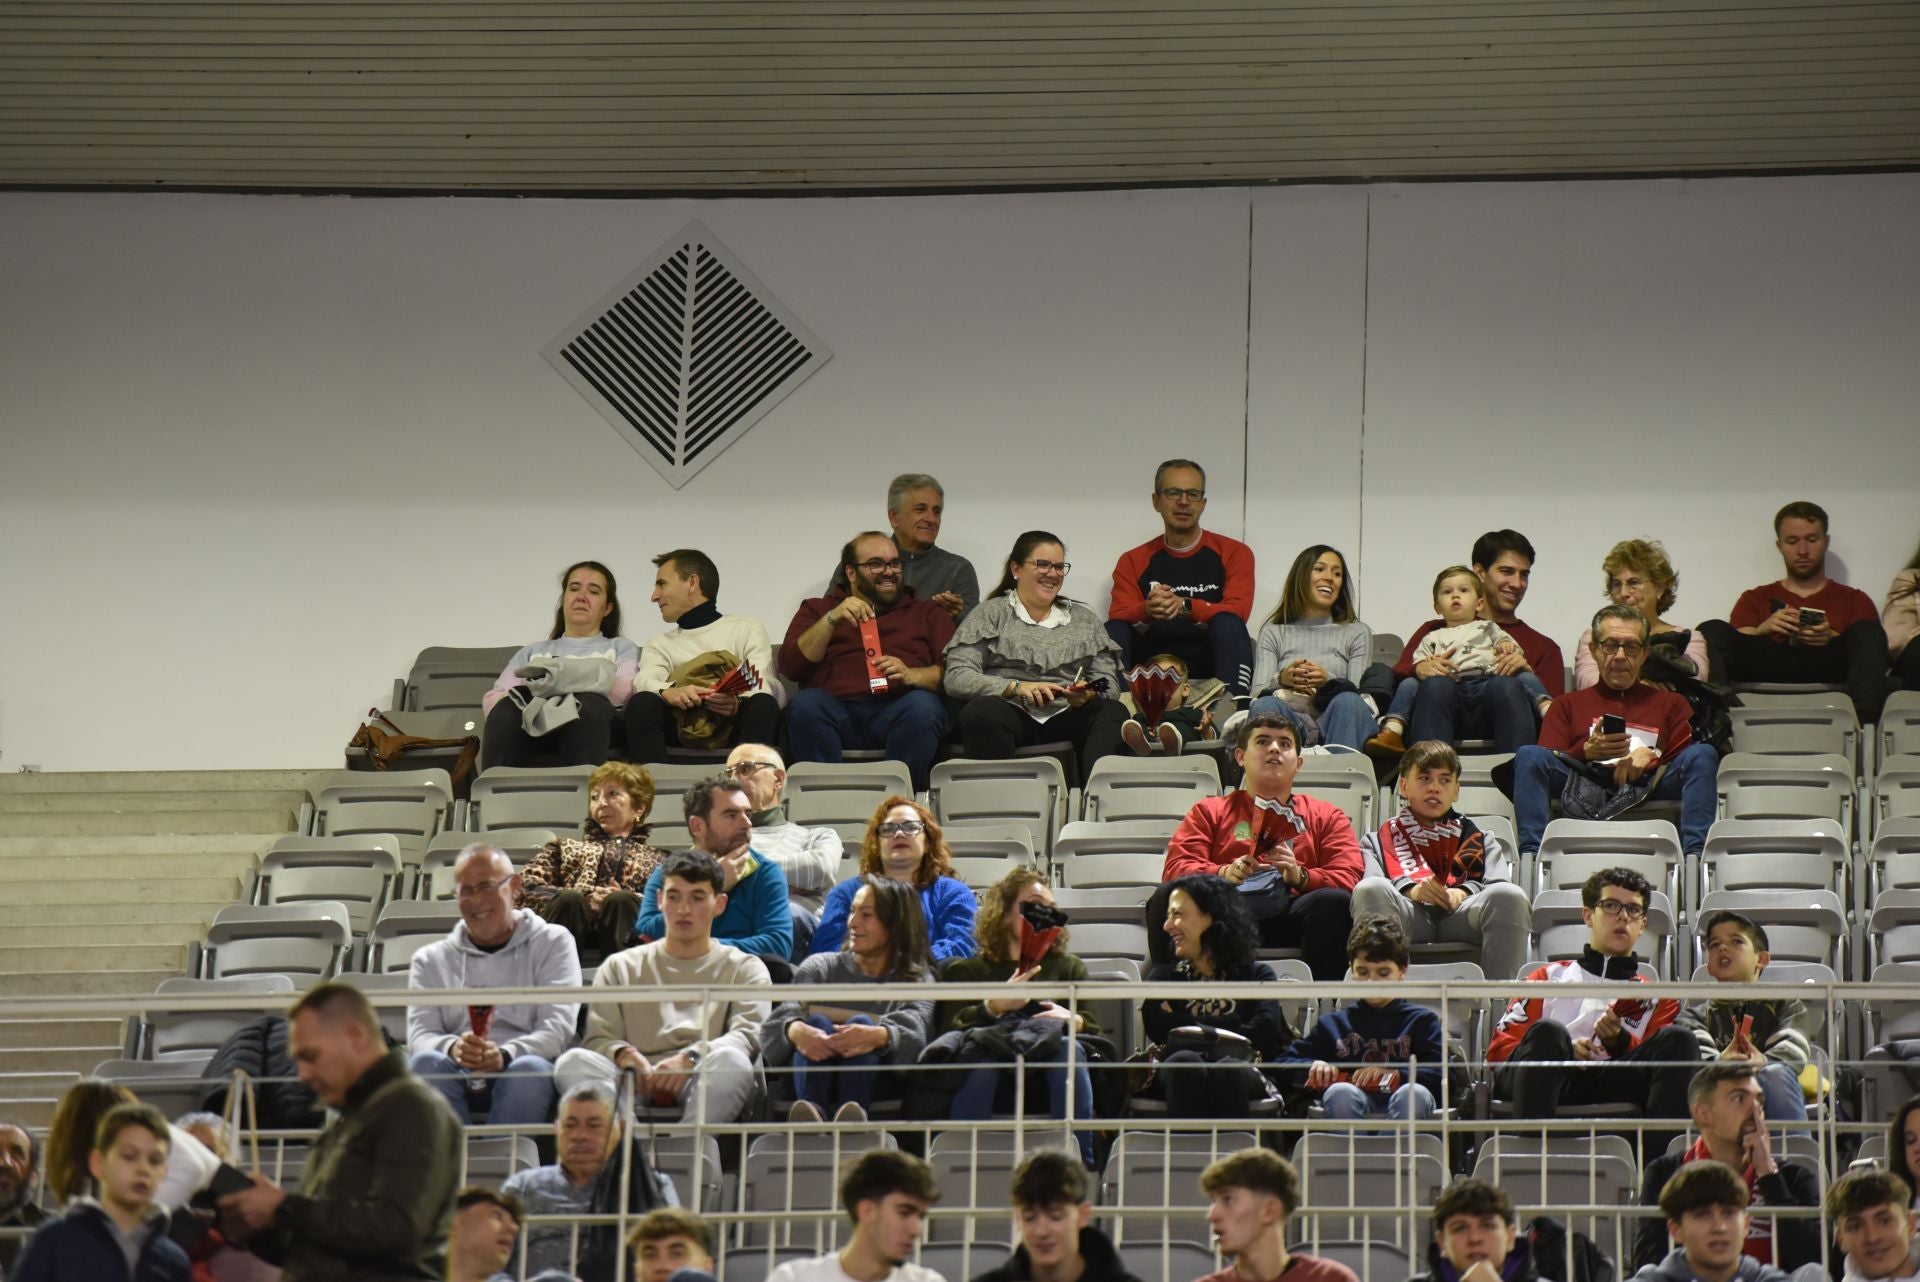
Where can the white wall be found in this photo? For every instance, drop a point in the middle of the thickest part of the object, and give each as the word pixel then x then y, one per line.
pixel 255 452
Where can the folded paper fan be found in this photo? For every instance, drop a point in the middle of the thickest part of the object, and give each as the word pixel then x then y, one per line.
pixel 1152 687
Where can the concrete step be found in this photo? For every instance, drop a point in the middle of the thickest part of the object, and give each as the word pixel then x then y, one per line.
pixel 115 983
pixel 104 956
pixel 36 1085
pixel 30 1034
pixel 209 893
pixel 34 933
pixel 40 847
pixel 103 782
pixel 81 870
pixel 34 1114
pixel 129 824
pixel 152 803
pixel 67 915
pixel 55 1059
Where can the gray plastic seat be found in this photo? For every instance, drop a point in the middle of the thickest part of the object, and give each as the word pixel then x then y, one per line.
pixel 1782 854
pixel 360 872
pixel 1571 850
pixel 1026 790
pixel 1339 1171
pixel 492 1158
pixel 392 1018
pixel 1089 855
pixel 974 1171
pixel 411 805
pixel 790 1171
pixel 529 797
pixel 307 941
pixel 404 928
pixel 1582 1173
pixel 451 678
pixel 1120 789
pixel 1896 789
pixel 174 1086
pixel 1162 1170
pixel 436 868
pixel 1111 939
pixel 191 1035
pixel 843 795
pixel 1796 730
pixel 1900 725
pixel 984 853
pixel 1811 787
pixel 1345 779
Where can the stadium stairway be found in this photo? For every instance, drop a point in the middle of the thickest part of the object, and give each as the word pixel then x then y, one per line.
pixel 105 879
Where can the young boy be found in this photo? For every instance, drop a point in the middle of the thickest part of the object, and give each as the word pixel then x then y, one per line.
pixel 1442 878
pixel 1779 1042
pixel 1476 1237
pixel 1468 642
pixel 1052 1214
pixel 887 1194
pixel 1357 1055
pixel 1706 1208
pixel 1178 723
pixel 123 1235
pixel 1252 1193
pixel 1872 1218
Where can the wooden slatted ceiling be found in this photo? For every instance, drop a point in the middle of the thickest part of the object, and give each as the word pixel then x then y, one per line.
pixel 734 95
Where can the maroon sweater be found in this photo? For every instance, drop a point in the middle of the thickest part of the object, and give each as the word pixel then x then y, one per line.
pixel 913 631
pixel 1658 718
pixel 1845 606
pixel 1542 652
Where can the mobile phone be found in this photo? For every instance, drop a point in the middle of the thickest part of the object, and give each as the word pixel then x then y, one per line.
pixel 1812 618
pixel 1612 724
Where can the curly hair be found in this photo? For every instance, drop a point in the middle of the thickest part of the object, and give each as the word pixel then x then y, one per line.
pixel 635 781
pixel 1229 943
pixel 1648 557
pixel 997 912
pixel 935 862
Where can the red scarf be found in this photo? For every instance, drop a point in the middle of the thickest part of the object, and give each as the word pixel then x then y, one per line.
pixel 1454 850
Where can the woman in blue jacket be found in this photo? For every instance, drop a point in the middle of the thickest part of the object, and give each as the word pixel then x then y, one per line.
pixel 904 842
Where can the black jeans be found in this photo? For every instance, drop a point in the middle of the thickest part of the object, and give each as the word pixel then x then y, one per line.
pixel 1317 923
pixel 1906 670
pixel 1192 1087
pixel 1857 659
pixel 587 741
pixel 598 935
pixel 1653 1076
pixel 992 728
pixel 650 728
pixel 1221 647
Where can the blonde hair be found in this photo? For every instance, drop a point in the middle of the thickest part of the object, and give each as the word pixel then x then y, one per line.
pixel 635 781
pixel 1479 587
pixel 1648 557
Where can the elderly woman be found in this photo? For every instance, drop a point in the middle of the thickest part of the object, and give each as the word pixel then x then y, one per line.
pixel 1311 653
pixel 1030 663
pixel 1639 575
pixel 562 711
pixel 1900 614
pixel 904 842
pixel 1198 932
pixel 834 1047
pixel 999 930
pixel 591 884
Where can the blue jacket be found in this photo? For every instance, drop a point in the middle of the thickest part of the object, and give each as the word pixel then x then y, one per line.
pixel 82 1245
pixel 1363 1034
pixel 948 904
pixel 757 919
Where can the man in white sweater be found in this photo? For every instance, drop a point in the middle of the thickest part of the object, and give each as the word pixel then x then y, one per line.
pixel 887 1194
pixel 461 1049
pixel 706 1045
pixel 810 857
pixel 686 588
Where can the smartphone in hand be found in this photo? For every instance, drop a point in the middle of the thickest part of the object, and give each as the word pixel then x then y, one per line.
pixel 1810 618
pixel 1611 723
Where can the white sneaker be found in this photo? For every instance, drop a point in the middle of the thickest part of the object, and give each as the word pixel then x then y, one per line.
pixel 805 1111
pixel 849 1114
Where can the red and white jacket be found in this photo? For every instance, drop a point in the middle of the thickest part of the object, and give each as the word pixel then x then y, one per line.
pixel 1592 989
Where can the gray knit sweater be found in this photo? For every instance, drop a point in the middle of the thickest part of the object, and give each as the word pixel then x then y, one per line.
pixel 992 647
pixel 908 1021
pixel 809 856
pixel 1341 648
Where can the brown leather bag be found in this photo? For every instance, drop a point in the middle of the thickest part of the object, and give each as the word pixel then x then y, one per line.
pixel 385 746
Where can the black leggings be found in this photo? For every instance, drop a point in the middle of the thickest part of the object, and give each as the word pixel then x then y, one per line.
pixel 1192 1087
pixel 992 728
pixel 587 741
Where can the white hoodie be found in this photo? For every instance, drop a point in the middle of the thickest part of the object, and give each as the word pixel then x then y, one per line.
pixel 538 954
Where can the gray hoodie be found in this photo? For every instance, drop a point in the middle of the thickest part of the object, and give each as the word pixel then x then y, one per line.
pixel 538 954
pixel 1676 1269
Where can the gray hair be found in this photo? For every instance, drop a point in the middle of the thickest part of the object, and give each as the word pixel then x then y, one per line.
pixel 1170 464
pixel 906 483
pixel 501 859
pixel 1624 613
pixel 599 1092
pixel 212 1121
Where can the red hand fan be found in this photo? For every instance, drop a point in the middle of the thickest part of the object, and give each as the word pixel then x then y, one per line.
pixel 1152 688
pixel 481 1017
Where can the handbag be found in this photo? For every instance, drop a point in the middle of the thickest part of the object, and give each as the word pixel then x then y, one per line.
pixel 381 743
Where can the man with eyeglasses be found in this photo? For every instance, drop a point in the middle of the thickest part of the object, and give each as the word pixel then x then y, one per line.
pixel 481 1057
pixel 1594 1039
pixel 1626 740
pixel 1188 592
pixel 850 698
pixel 915 505
pixel 809 856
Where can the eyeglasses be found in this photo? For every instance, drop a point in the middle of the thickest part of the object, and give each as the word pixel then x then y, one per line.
pixel 1621 908
pixel 904 828
pixel 481 889
pixel 877 566
pixel 747 769
pixel 1051 567
pixel 1631 649
pixel 1173 495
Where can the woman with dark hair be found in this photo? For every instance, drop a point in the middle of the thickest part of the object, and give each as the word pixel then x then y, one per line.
pixel 1312 652
pixel 834 1046
pixel 70 1137
pixel 1903 1145
pixel 554 703
pixel 592 884
pixel 1000 930
pixel 1198 933
pixel 1900 615
pixel 1034 666
pixel 903 841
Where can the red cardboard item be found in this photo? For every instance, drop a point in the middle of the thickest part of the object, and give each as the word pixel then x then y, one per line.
pixel 870 642
pixel 1629 1009
pixel 1153 688
pixel 741 680
pixel 481 1017
pixel 1034 944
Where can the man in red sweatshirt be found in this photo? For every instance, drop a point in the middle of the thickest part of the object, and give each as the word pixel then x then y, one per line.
pixel 1653 733
pixel 1294 858
pixel 1803 627
pixel 1188 592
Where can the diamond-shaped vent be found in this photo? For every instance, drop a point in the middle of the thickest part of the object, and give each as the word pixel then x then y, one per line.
pixel 686 354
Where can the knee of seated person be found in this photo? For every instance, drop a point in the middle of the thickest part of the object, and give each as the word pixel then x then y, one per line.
pixel 432 1064
pixel 1505 897
pixel 1372 891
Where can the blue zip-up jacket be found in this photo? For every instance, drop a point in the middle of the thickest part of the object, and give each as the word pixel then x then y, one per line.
pixel 82 1245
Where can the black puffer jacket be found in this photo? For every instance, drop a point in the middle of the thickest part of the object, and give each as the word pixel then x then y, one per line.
pixel 259 1048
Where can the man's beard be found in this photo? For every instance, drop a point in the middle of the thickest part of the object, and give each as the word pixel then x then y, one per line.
pixel 867 588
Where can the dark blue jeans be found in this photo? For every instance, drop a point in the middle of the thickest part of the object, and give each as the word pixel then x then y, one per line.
pixel 911 727
pixel 831 1083
pixel 974 1101
pixel 1538 776
pixel 1471 707
pixel 1221 647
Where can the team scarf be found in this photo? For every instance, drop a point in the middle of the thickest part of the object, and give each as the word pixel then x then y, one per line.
pixel 1454 849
